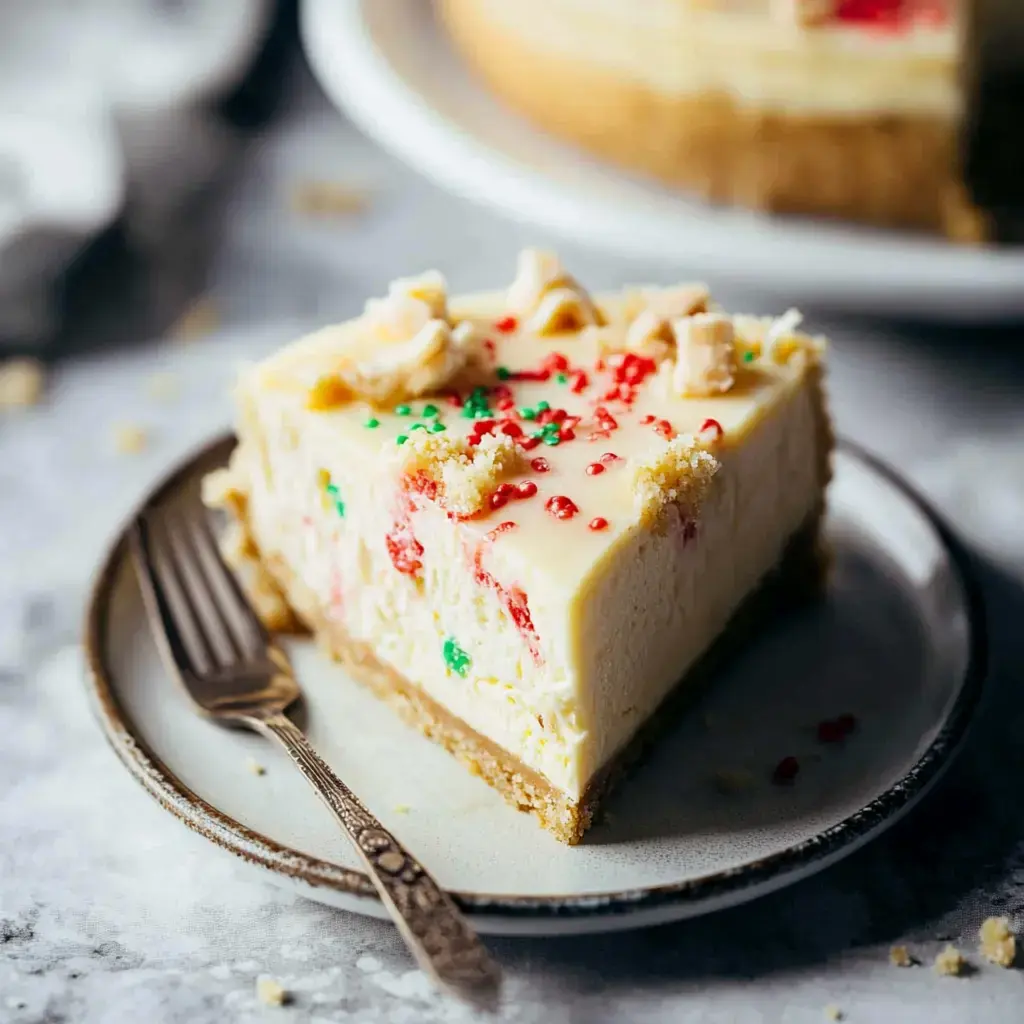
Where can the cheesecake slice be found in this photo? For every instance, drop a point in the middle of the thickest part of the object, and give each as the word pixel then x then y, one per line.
pixel 529 520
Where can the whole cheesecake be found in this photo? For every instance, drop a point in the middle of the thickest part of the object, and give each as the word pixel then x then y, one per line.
pixel 532 520
pixel 836 108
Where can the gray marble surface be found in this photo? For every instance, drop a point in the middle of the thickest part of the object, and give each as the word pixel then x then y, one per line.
pixel 111 911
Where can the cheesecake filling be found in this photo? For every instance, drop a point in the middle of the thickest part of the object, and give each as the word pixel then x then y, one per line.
pixel 559 670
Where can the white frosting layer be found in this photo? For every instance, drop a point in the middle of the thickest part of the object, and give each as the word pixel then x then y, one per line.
pixel 684 48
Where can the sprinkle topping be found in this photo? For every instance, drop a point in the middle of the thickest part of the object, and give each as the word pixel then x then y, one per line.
pixel 561 507
pixel 455 658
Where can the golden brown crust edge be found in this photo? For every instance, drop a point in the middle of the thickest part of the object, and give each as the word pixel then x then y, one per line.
pixel 895 171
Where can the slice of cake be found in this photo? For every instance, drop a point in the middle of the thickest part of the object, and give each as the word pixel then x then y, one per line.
pixel 525 519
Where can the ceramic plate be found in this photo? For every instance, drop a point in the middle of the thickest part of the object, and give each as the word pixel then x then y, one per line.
pixel 897 644
pixel 389 67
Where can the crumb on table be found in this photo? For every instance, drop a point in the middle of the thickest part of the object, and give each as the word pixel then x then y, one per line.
pixel 271 992
pixel 327 199
pixel 998 944
pixel 21 383
pixel 199 319
pixel 950 963
pixel 255 767
pixel 129 438
pixel 162 386
pixel 899 956
pixel 402 808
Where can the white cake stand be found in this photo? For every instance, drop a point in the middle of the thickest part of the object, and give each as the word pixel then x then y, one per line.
pixel 389 67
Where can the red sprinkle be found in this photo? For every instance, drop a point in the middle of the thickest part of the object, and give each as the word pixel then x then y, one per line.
pixel 786 771
pixel 561 507
pixel 489 345
pixel 566 434
pixel 580 383
pixel 505 489
pixel 556 362
pixel 506 324
pixel 594 469
pixel 540 465
pixel 526 489
pixel 645 420
pixel 498 500
pixel 712 425
pixel 664 428
pixel 834 730
pixel 504 404
pixel 609 457
pixel 512 429
pixel 598 523
pixel 528 443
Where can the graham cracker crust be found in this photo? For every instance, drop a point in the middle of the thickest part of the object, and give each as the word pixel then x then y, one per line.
pixel 898 170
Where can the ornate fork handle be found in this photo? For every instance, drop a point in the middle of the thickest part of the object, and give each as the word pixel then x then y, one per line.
pixel 432 925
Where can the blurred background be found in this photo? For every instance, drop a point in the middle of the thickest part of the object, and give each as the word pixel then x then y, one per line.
pixel 186 185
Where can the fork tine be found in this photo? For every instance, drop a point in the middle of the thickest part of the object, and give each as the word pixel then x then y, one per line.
pixel 250 638
pixel 157 598
pixel 203 608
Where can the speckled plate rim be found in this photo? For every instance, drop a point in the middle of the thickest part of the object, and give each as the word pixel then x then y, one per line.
pixel 649 904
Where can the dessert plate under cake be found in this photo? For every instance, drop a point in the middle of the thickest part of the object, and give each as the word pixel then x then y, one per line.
pixel 392 71
pixel 712 819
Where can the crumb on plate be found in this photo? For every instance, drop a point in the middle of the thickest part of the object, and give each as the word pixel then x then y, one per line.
pixel 402 808
pixel 254 766
pixel 950 963
pixel 271 992
pixel 733 780
pixel 21 383
pixel 998 944
pixel 832 1012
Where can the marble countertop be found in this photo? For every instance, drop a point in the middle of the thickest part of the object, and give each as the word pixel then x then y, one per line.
pixel 110 911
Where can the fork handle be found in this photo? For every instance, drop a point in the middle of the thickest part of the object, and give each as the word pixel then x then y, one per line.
pixel 434 929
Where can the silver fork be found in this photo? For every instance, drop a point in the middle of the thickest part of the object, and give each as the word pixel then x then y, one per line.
pixel 236 675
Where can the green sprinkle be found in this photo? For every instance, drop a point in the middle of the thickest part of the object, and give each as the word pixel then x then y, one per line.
pixel 551 428
pixel 503 373
pixel 430 412
pixel 543 406
pixel 479 393
pixel 562 378
pixel 457 660
pixel 436 427
pixel 539 435
pixel 481 414
pixel 339 507
pixel 372 423
pixel 418 426
pixel 748 357
pixel 401 439
pixel 552 439
pixel 331 489
pixel 527 413
pixel 403 410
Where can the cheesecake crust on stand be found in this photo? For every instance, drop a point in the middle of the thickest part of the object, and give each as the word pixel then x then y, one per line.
pixel 896 170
